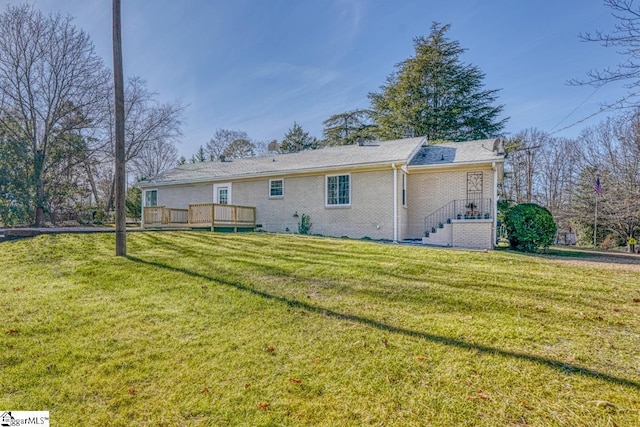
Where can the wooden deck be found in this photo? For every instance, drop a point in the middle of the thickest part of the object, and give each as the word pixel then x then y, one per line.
pixel 211 216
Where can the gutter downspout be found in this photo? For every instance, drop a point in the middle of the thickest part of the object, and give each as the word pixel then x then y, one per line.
pixel 495 206
pixel 395 202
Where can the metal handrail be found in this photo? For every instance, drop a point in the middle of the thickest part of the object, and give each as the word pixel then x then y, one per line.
pixel 461 209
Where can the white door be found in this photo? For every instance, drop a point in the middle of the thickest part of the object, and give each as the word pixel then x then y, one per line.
pixel 222 194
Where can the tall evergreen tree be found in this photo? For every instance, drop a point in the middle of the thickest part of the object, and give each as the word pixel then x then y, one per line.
pixel 435 94
pixel 296 139
pixel 346 128
pixel 200 156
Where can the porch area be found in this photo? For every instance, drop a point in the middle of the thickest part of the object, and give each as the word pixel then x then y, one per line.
pixel 212 216
pixel 466 223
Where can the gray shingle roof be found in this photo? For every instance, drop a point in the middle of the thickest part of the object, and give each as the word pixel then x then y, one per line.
pixel 480 151
pixel 329 158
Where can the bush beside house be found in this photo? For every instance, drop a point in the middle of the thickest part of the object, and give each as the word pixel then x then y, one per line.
pixel 530 227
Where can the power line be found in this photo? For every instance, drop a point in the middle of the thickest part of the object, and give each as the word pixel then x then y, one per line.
pixel 576 109
pixel 600 111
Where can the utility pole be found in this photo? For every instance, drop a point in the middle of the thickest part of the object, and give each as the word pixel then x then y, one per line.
pixel 121 221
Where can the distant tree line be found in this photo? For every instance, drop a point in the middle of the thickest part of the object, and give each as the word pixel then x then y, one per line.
pixel 560 174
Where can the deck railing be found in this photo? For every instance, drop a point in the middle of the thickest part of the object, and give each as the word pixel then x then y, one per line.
pixel 164 215
pixel 201 215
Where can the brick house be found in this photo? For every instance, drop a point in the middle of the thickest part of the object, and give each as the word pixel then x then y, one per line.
pixel 443 194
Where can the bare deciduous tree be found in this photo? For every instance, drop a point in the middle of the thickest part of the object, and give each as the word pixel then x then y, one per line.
pixel 155 158
pixel 521 165
pixel 240 148
pixel 625 37
pixel 221 139
pixel 612 150
pixel 147 123
pixel 52 83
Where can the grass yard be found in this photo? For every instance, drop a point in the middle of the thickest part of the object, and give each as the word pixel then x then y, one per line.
pixel 206 329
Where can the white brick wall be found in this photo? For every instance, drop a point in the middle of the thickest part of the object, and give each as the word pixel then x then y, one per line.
pixel 429 190
pixel 473 234
pixel 371 210
pixel 370 214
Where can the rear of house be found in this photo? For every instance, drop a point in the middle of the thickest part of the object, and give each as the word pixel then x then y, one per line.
pixel 378 190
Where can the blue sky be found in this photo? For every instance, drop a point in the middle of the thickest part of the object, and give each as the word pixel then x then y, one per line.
pixel 260 65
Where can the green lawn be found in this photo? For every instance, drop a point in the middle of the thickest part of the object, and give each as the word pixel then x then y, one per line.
pixel 207 329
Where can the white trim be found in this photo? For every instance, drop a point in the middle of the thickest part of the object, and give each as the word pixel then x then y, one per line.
pixel 269 189
pixel 395 202
pixel 326 191
pixel 454 165
pixel 144 196
pixel 494 235
pixel 216 187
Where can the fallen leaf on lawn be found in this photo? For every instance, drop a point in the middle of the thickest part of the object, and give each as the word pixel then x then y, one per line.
pixel 421 358
pixel 132 390
pixel 481 395
pixel 270 349
pixel 636 300
pixel 295 380
pixel 12 331
pixel 604 404
pixel 385 343
pixel 247 385
pixel 617 310
pixel 263 405
pixel 205 390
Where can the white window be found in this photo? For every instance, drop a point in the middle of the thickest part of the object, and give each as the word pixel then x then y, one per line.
pixel 338 190
pixel 276 188
pixel 222 193
pixel 151 198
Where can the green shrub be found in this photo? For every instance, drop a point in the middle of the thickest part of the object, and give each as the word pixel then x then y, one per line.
pixel 530 227
pixel 99 216
pixel 133 203
pixel 305 224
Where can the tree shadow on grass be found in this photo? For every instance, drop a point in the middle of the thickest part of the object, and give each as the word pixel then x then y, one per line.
pixel 565 368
